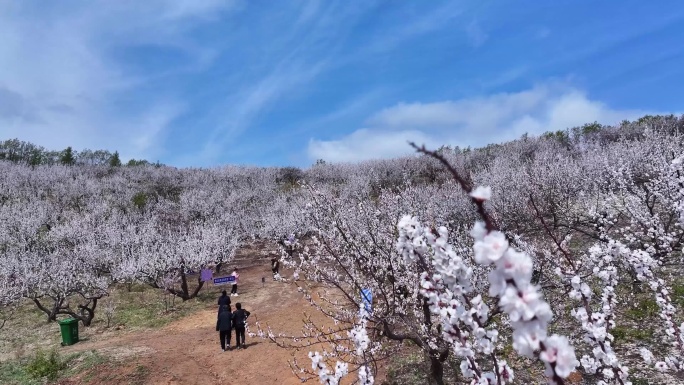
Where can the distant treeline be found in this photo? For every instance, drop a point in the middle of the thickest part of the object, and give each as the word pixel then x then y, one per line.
pixel 26 153
pixel 18 151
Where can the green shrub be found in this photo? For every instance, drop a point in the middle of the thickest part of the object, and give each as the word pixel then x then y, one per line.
pixel 646 308
pixel 622 333
pixel 639 381
pixel 678 294
pixel 619 333
pixel 45 365
pixel 14 373
pixel 140 200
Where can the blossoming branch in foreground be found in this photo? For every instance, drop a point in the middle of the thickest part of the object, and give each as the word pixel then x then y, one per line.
pixel 448 288
pixel 359 337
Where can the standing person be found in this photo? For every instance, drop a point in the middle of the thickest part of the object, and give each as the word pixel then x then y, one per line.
pixel 275 266
pixel 224 324
pixel 235 274
pixel 224 300
pixel 289 245
pixel 239 323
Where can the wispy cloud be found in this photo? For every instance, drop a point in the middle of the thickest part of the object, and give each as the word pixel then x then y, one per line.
pixel 476 34
pixel 247 104
pixel 347 110
pixel 205 82
pixel 152 124
pixel 316 44
pixel 433 20
pixel 64 79
pixel 468 122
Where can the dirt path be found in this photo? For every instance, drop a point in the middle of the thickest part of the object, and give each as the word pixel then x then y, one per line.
pixel 188 351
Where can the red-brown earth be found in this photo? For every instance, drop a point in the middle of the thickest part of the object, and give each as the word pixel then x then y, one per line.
pixel 187 351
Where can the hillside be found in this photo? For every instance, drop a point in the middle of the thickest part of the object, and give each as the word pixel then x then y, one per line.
pixel 557 256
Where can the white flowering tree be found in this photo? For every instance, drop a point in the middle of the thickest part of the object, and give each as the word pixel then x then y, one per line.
pixel 53 248
pixel 10 293
pixel 548 203
pixel 357 246
pixel 584 225
pixel 171 241
pixel 11 283
pixel 619 237
pixel 460 306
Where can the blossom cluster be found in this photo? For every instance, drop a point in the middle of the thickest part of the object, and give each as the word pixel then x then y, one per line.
pixel 324 374
pixel 359 336
pixel 464 313
pixel 597 323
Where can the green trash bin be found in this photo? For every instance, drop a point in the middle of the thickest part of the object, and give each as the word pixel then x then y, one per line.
pixel 69 329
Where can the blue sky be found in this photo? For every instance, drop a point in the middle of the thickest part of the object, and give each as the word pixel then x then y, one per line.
pixel 211 82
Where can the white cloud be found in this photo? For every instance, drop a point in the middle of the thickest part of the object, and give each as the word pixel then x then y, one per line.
pixel 366 144
pixel 468 122
pixel 61 80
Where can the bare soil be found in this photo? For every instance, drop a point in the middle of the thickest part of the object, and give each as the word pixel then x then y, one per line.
pixel 187 351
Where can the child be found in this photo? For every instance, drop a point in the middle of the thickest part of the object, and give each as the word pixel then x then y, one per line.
pixel 235 274
pixel 224 326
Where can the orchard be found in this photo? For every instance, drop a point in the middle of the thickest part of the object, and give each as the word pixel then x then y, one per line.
pixel 521 262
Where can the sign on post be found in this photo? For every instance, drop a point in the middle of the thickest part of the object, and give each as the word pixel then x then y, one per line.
pixel 206 275
pixel 224 280
pixel 367 299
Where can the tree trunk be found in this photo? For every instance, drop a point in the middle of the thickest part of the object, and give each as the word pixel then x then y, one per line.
pixel 51 313
pixel 436 370
pixel 200 283
pixel 219 264
pixel 184 285
pixel 184 292
pixel 87 313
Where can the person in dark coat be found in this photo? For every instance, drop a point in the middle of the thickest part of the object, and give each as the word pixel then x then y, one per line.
pixel 224 324
pixel 239 323
pixel 224 300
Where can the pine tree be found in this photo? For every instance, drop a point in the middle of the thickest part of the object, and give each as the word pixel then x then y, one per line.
pixel 36 158
pixel 67 157
pixel 114 161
